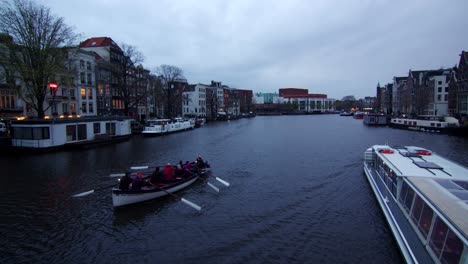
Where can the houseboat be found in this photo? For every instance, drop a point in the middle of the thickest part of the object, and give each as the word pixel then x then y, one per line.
pixel 156 127
pixel 434 124
pixel 47 134
pixel 375 120
pixel 424 198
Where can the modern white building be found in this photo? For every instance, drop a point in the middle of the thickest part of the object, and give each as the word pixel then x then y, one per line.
pixel 194 100
pixel 440 85
pixel 311 103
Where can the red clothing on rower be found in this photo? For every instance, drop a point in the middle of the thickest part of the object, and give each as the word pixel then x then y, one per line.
pixel 168 172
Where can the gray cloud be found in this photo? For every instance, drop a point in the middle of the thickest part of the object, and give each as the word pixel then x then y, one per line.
pixel 333 47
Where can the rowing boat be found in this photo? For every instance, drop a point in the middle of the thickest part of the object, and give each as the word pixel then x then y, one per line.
pixel 126 197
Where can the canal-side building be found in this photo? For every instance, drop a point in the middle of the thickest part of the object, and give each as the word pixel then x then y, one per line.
pixel 303 102
pixel 245 100
pixel 398 84
pixel 194 100
pixel 458 89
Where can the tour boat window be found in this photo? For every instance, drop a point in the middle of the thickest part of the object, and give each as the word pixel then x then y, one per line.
pixel 462 184
pixel 417 209
pixel 438 236
pixel 409 199
pixel 425 221
pixel 453 249
pixel 403 192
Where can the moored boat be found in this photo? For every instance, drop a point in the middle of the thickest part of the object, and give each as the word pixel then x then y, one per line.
pixel 434 124
pixel 423 197
pixel 57 133
pixel 156 127
pixel 375 120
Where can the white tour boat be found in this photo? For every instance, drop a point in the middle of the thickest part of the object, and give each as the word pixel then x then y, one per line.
pixel 165 126
pixel 424 198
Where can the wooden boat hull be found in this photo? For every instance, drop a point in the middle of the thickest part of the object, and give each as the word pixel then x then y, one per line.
pixel 121 198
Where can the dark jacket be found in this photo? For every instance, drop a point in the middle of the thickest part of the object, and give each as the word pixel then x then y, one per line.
pixel 125 182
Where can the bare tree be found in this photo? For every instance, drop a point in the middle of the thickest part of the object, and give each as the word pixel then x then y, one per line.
pixel 172 81
pixel 35 55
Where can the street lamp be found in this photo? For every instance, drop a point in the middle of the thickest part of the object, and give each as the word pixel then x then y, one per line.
pixel 53 87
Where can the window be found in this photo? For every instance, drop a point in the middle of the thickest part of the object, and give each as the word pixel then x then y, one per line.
pixel 438 236
pixel 73 108
pixel 110 129
pixel 439 97
pixel 83 93
pixel 445 97
pixel 82 64
pixel 90 81
pixel 71 133
pixel 82 78
pixel 83 107
pixel 417 209
pixel 65 107
pixel 72 92
pixel 439 82
pixel 90 93
pixel 35 133
pixel 90 108
pixel 97 128
pixel 82 132
pixel 409 199
pixel 453 249
pixel 88 65
pixel 439 89
pixel 425 221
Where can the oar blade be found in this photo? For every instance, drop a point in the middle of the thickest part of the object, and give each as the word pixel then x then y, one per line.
pixel 189 203
pixel 117 175
pixel 139 167
pixel 223 181
pixel 83 193
pixel 214 187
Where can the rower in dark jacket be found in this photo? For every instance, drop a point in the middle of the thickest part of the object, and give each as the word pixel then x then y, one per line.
pixel 125 181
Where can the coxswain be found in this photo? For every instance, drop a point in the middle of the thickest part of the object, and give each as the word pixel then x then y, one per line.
pixel 125 181
pixel 200 162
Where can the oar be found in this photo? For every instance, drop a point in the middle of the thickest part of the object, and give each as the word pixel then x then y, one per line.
pixel 185 201
pixel 92 191
pixel 222 181
pixel 214 187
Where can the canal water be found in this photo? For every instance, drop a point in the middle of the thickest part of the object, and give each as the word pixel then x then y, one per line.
pixel 297 195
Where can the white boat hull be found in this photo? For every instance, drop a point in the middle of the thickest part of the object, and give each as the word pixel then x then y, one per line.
pixel 126 198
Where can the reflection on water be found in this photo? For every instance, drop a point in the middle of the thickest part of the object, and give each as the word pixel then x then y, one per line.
pixel 297 195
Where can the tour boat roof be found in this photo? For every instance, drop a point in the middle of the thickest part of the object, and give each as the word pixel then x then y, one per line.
pixel 443 182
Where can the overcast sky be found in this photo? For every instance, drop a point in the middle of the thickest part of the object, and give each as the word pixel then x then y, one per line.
pixel 333 47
